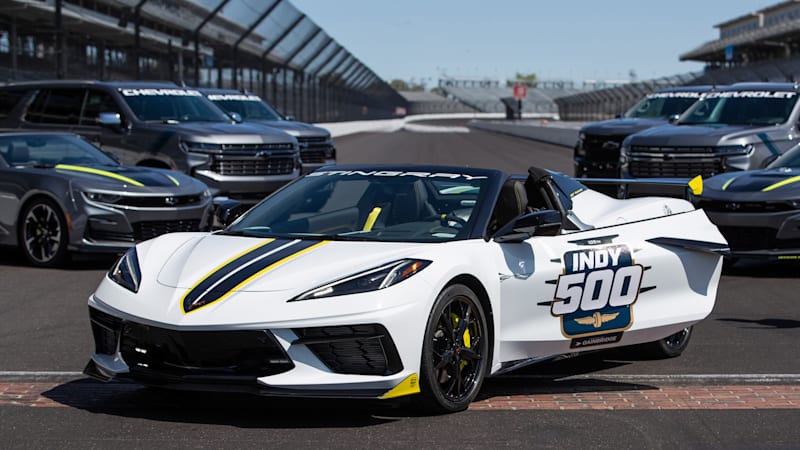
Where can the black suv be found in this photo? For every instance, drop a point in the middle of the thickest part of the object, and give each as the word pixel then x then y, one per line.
pixel 159 124
pixel 316 146
pixel 597 149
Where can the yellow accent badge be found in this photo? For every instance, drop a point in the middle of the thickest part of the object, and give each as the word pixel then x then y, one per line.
pixel 406 387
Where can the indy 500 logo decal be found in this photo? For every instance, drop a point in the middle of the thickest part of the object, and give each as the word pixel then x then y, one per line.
pixel 596 291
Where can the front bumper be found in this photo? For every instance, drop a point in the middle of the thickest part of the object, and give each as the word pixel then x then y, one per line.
pixel 335 361
pixel 774 235
pixel 106 228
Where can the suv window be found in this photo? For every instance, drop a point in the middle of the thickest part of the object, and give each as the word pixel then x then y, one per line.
pixel 8 100
pixel 172 105
pixel 56 106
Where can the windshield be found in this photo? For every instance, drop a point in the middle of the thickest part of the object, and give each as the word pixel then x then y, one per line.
pixel 50 150
pixel 370 205
pixel 172 106
pixel 663 105
pixel 250 107
pixel 741 108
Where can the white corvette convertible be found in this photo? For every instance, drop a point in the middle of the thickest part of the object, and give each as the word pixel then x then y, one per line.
pixel 380 282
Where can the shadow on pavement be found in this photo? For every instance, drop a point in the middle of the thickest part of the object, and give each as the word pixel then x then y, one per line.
pixel 765 323
pixel 760 268
pixel 10 256
pixel 252 411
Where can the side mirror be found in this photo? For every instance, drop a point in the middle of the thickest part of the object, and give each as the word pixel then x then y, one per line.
pixel 235 116
pixel 110 120
pixel 227 211
pixel 540 223
pixel 290 118
pixel 673 119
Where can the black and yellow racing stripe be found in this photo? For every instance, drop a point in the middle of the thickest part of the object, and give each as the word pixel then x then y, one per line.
pixel 243 268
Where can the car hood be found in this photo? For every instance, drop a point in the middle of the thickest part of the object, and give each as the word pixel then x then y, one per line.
pixel 689 135
pixel 263 265
pixel 225 133
pixel 297 129
pixel 127 178
pixel 754 184
pixel 621 127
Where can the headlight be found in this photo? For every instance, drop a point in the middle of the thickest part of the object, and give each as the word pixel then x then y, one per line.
pixel 623 155
pixel 731 150
pixel 102 198
pixel 200 147
pixel 125 271
pixel 371 280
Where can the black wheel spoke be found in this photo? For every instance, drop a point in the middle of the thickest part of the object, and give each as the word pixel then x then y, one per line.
pixel 470 355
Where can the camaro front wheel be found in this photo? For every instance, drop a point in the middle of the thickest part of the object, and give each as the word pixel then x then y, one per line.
pixel 455 351
pixel 43 233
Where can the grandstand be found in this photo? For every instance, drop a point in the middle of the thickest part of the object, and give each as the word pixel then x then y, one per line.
pixel 423 102
pixel 486 95
pixel 268 47
pixel 760 46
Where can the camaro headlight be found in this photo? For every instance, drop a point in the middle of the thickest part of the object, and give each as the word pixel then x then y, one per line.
pixel 125 272
pixel 102 198
pixel 371 280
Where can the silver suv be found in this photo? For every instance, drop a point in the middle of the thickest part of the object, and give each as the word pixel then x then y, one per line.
pixel 316 145
pixel 163 125
pixel 743 126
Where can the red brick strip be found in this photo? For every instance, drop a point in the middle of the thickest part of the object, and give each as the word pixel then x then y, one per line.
pixel 668 397
pixel 751 396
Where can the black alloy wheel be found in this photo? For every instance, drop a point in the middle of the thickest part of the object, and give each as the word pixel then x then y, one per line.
pixel 669 347
pixel 455 351
pixel 43 233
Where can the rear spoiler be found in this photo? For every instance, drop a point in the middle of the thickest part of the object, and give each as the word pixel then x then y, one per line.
pixel 672 187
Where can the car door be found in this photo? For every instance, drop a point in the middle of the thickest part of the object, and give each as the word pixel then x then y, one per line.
pixel 580 290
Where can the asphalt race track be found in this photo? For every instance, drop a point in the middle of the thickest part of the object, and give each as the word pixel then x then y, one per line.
pixel 737 386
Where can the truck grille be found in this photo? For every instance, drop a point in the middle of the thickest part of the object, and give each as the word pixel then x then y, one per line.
pixel 602 148
pixel 312 156
pixel 253 166
pixel 674 162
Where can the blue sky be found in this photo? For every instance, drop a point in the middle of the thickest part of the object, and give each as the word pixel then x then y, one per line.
pixel 556 39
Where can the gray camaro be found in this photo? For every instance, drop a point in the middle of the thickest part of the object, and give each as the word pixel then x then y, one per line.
pixel 58 194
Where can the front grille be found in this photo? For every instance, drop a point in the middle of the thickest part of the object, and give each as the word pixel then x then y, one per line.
pixel 154 353
pixel 166 201
pixel 313 140
pixel 602 148
pixel 355 350
pixel 756 238
pixel 253 166
pixel 252 149
pixel 674 162
pixel 105 329
pixel 312 156
pixel 744 207
pixel 143 231
pixel 99 234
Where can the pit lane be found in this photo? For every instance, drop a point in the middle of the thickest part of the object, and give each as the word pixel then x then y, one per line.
pixel 749 342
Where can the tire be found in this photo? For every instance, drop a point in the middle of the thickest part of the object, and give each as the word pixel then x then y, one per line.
pixel 669 347
pixel 43 234
pixel 454 352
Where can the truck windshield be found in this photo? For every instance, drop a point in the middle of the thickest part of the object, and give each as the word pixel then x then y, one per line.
pixel 662 105
pixel 249 107
pixel 172 106
pixel 741 108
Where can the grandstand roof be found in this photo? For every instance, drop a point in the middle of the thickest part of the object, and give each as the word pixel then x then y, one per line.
pixel 766 38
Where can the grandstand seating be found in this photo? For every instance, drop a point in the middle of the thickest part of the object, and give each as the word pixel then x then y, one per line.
pixel 488 99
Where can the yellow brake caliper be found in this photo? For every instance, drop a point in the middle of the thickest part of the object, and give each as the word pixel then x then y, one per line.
pixel 466 337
